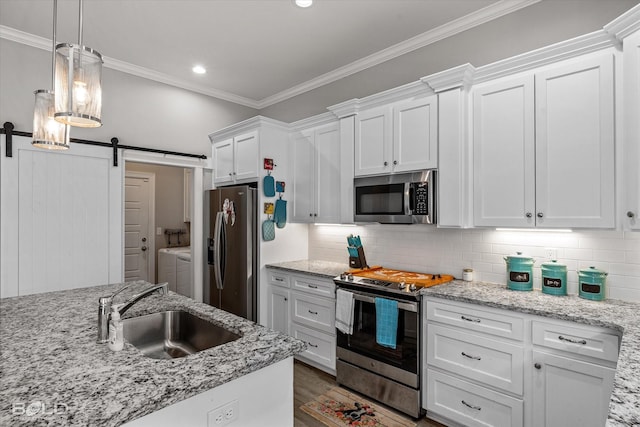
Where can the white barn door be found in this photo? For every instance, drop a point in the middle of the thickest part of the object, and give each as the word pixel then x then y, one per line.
pixel 61 218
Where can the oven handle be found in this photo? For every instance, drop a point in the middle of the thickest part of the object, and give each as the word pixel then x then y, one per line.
pixel 371 298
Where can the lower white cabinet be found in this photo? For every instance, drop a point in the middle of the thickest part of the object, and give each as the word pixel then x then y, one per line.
pixel 492 367
pixel 304 306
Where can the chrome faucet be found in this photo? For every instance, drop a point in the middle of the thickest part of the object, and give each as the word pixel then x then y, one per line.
pixel 104 307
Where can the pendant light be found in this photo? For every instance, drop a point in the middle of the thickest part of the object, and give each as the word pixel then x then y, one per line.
pixel 47 132
pixel 78 87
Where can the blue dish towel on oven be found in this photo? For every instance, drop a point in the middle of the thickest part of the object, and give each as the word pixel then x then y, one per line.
pixel 386 322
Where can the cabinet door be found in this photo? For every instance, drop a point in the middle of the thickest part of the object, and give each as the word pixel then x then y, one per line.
pixel 415 135
pixel 504 153
pixel 246 156
pixel 373 142
pixel 631 95
pixel 568 392
pixel 327 156
pixel 303 178
pixel 223 161
pixel 575 144
pixel 279 309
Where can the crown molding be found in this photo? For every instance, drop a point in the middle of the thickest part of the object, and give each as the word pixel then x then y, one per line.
pixel 625 24
pixel 43 43
pixel 345 109
pixel 246 126
pixel 588 43
pixel 460 76
pixel 313 121
pixel 449 29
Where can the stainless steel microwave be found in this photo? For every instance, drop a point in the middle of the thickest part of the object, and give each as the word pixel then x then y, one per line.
pixel 408 198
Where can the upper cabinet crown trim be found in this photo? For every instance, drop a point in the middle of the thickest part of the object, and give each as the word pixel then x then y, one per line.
pixel 313 121
pixel 246 125
pixel 625 24
pixel 460 76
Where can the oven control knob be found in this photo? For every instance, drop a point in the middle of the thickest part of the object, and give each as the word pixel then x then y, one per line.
pixel 343 276
pixel 412 287
pixel 402 285
pixel 350 277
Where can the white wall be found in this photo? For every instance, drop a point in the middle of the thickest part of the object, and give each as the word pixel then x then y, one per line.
pixel 433 250
pixel 137 111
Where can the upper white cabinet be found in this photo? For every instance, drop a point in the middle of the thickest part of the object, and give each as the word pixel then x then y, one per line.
pixel 236 159
pixel 397 138
pixel 631 58
pixel 543 147
pixel 316 175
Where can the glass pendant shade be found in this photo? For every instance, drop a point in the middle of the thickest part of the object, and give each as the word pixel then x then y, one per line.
pixel 47 132
pixel 78 86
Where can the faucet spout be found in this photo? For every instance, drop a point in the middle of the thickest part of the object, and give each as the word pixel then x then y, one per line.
pixel 104 307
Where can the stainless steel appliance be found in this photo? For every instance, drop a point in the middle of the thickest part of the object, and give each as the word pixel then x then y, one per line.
pixel 396 199
pixel 231 276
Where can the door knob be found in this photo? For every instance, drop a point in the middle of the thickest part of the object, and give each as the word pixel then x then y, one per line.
pixel 144 248
pixel 386 163
pixel 395 162
pixel 144 239
pixel 631 214
pixel 537 365
pixel 528 215
pixel 539 215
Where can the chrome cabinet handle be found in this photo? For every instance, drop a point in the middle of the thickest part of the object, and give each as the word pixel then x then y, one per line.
pixel 471 357
pixel 312 286
pixel 312 345
pixel 631 214
pixel 313 312
pixel 278 279
pixel 561 338
pixel 386 163
pixel 537 365
pixel 477 408
pixel 539 214
pixel 528 214
pixel 395 162
pixel 469 319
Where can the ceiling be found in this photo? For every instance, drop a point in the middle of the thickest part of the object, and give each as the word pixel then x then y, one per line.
pixel 257 52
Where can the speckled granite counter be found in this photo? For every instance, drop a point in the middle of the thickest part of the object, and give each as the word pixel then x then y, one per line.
pixel 48 353
pixel 624 409
pixel 316 268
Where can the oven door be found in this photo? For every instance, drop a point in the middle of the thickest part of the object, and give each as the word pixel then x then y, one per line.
pixel 361 348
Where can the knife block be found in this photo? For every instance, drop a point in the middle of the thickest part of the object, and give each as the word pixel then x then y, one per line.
pixel 360 261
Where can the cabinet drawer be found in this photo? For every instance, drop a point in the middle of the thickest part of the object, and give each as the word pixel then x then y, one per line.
pixel 321 347
pixel 492 362
pixel 319 313
pixel 315 286
pixel 585 341
pixel 476 319
pixel 278 278
pixel 469 404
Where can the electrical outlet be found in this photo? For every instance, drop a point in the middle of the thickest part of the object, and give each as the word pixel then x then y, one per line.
pixel 223 415
pixel 159 231
pixel 551 253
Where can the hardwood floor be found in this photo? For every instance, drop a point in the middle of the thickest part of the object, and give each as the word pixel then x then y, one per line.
pixel 308 383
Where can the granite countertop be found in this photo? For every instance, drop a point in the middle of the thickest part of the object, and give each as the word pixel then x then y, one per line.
pixel 624 317
pixel 49 354
pixel 316 268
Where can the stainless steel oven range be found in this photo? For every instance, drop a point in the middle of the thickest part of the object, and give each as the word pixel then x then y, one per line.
pixel 391 376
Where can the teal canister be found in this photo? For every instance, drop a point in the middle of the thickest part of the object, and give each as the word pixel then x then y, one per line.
pixel 554 278
pixel 591 283
pixel 519 272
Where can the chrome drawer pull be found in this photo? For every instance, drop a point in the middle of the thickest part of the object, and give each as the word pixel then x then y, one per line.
pixel 312 345
pixel 469 319
pixel 313 312
pixel 561 338
pixel 477 408
pixel 471 357
pixel 278 279
pixel 312 286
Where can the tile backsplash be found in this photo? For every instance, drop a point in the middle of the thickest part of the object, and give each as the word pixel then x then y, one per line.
pixel 429 249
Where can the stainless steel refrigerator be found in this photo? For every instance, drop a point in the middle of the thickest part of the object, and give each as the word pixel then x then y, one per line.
pixel 231 276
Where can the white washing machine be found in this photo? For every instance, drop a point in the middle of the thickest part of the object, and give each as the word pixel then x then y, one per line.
pixel 184 284
pixel 167 265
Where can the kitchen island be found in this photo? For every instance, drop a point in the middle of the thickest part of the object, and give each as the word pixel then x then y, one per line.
pixel 52 371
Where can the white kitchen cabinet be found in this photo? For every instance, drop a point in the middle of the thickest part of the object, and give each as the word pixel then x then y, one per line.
pixel 397 138
pixel 236 159
pixel 316 180
pixel 569 392
pixel 309 302
pixel 631 111
pixel 543 147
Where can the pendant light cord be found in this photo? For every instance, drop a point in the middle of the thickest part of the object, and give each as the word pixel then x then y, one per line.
pixel 53 50
pixel 80 23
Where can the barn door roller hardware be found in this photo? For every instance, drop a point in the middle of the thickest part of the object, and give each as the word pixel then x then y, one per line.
pixel 8 130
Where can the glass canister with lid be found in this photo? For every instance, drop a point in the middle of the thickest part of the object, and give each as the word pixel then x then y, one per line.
pixel 554 278
pixel 591 283
pixel 519 272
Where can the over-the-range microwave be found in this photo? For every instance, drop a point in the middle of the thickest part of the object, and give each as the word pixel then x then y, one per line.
pixel 408 198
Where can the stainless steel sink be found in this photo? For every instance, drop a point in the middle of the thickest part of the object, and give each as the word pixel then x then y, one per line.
pixel 172 334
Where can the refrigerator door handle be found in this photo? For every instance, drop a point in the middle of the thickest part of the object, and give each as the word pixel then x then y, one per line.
pixel 220 244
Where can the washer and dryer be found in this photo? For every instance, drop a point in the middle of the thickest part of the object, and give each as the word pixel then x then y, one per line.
pixel 174 267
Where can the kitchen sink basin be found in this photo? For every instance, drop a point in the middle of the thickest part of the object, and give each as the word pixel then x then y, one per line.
pixel 173 334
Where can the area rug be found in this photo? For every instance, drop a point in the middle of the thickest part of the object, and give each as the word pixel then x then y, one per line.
pixel 338 408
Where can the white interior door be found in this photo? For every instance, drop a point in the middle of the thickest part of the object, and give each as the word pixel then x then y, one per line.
pixel 139 247
pixel 61 218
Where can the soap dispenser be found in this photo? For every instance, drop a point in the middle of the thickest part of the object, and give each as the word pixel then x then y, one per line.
pixel 116 329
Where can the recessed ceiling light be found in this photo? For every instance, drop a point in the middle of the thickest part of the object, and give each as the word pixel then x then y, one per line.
pixel 304 3
pixel 199 69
